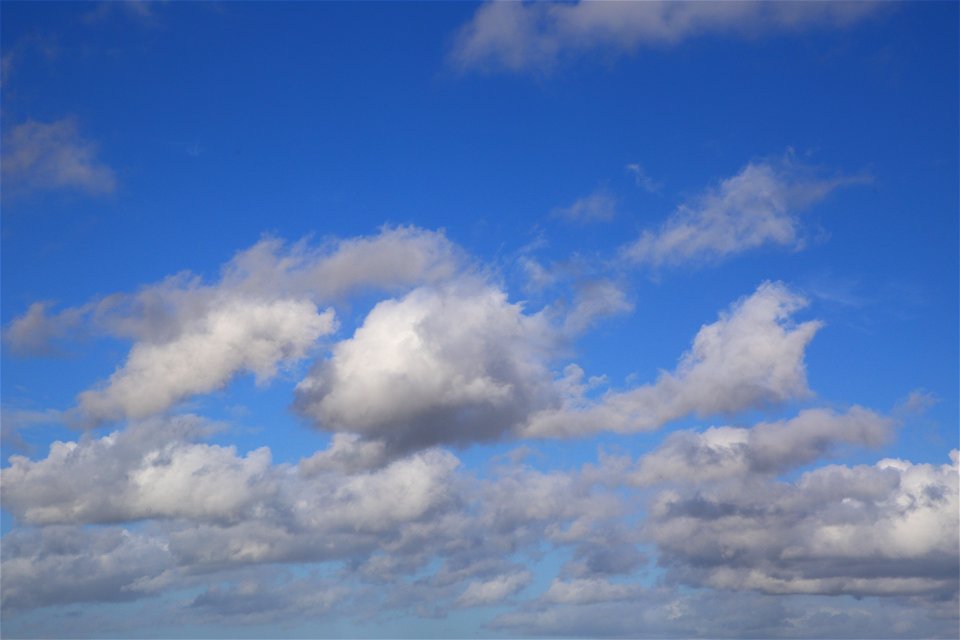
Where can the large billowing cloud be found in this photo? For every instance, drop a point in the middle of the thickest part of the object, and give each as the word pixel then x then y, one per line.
pixel 519 37
pixel 455 364
pixel 752 356
pixel 191 337
pixel 53 155
pixel 758 206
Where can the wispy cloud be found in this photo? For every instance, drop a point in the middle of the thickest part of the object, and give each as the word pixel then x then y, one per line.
pixel 759 206
pixel 599 206
pixel 643 180
pixel 522 37
pixel 53 155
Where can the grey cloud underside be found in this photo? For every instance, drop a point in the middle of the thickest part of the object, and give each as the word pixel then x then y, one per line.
pixel 885 530
pixel 211 510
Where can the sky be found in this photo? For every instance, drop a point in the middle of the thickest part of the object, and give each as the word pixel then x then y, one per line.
pixel 371 320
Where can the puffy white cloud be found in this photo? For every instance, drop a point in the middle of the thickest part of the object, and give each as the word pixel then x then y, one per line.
pixel 536 36
pixel 758 206
pixel 53 155
pixel 487 592
pixel 767 448
pixel 752 356
pixel 240 335
pixel 150 470
pixel 191 337
pixel 450 364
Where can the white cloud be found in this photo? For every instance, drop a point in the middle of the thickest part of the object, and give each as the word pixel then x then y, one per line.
pixel 643 180
pixel 487 592
pixel 599 206
pixel 239 335
pixel 53 155
pixel 752 356
pixel 767 448
pixel 758 206
pixel 888 529
pixel 589 591
pixel 451 364
pixel 520 37
pixel 592 300
pixel 191 337
pixel 150 470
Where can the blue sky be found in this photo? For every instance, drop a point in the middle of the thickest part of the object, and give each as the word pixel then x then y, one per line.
pixel 480 320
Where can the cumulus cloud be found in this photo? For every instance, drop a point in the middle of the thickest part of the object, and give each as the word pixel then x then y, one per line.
pixel 191 337
pixel 885 530
pixel 216 512
pixel 752 356
pixel 767 448
pixel 599 206
pixel 152 469
pixel 53 155
pixel 64 565
pixel 451 364
pixel 239 335
pixel 520 37
pixel 758 206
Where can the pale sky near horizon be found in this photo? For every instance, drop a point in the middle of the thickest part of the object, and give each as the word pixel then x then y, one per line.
pixel 625 319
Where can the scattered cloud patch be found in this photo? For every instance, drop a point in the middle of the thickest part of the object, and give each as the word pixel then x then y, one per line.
pixel 537 37
pixel 40 156
pixel 643 180
pixel 599 206
pixel 759 206
pixel 751 357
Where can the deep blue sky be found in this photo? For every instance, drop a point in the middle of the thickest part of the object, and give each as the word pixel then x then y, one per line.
pixel 141 141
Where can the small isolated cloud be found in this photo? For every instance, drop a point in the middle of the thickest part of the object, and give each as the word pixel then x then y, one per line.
pixel 758 206
pixel 643 180
pixel 488 592
pixel 53 155
pixel 599 206
pixel 523 37
pixel 752 356
pixel 37 331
